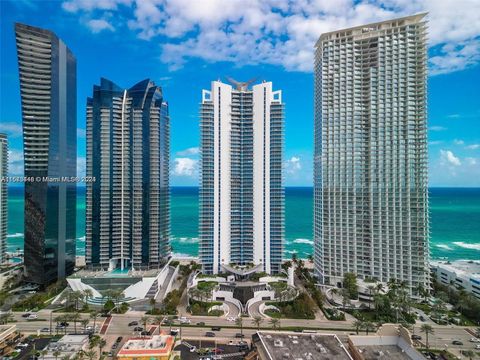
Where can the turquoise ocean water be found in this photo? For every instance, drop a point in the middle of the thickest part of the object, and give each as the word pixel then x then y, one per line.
pixel 454 221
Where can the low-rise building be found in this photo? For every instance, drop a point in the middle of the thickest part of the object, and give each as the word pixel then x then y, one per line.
pixel 392 342
pixel 284 345
pixel 8 336
pixel 156 347
pixel 461 274
pixel 68 345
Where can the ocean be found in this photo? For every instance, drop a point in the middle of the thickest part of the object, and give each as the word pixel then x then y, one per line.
pixel 454 221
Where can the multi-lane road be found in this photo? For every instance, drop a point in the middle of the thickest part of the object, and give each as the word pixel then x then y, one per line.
pixel 441 338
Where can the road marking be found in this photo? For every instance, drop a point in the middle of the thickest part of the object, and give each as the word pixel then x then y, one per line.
pixel 105 325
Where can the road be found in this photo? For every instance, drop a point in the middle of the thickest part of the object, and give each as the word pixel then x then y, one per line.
pixel 441 338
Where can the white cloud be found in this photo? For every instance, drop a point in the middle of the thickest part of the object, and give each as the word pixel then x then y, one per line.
pixel 189 151
pixel 292 165
pixel 98 25
pixel 12 129
pixel 185 167
pixel 449 157
pixel 15 162
pixel 437 128
pixel 435 142
pixel 284 32
pixel 473 147
pixel 458 142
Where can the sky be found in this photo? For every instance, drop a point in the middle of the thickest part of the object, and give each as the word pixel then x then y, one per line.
pixel 182 45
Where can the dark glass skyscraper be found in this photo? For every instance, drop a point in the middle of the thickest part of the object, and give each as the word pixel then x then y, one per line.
pixel 48 89
pixel 128 204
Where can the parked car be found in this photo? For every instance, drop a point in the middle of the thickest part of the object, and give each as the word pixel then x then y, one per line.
pixel 416 337
pixel 216 328
pixel 457 342
pixel 119 339
pixel 477 347
pixel 138 328
pixel 133 323
pixel 210 334
pixel 239 336
pixel 114 346
pixel 422 318
pixel 474 340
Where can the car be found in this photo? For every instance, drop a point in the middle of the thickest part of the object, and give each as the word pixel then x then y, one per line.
pixel 22 345
pixel 239 336
pixel 110 354
pixel 210 334
pixel 138 328
pixel 184 320
pixel 201 323
pixel 26 315
pixel 477 347
pixel 216 328
pixel 416 337
pixel 193 349
pixel 32 317
pixel 60 326
pixel 133 323
pixel 45 330
pixel 114 346
pixel 474 340
pixel 174 332
pixel 64 323
pixel 422 318
pixel 145 333
pixel 457 342
pixel 119 339
pixel 231 318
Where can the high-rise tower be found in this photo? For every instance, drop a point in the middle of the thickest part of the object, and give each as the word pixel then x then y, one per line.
pixel 241 192
pixel 48 90
pixel 370 171
pixel 128 199
pixel 3 195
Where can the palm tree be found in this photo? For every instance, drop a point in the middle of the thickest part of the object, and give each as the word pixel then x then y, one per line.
pixel 427 329
pixel 56 353
pixel 469 353
pixel 152 304
pixel 371 290
pixel 101 344
pixel 239 323
pixel 158 321
pixel 75 317
pixel 145 320
pixel 358 324
pixel 258 320
pixel 65 357
pixel 84 323
pixel 275 323
pixel 87 294
pixel 368 326
pixel 94 315
pixel 345 298
pixel 91 354
pixel 43 353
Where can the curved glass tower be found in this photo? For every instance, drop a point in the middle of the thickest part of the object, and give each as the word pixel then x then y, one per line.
pixel 48 90
pixel 370 188
pixel 128 203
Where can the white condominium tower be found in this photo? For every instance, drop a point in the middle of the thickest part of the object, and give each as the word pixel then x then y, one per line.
pixel 3 195
pixel 370 166
pixel 128 199
pixel 241 192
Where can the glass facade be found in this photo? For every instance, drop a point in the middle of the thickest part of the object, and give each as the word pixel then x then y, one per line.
pixel 370 187
pixel 128 204
pixel 47 71
pixel 3 196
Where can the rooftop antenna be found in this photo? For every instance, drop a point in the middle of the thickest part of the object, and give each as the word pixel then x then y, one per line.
pixel 240 85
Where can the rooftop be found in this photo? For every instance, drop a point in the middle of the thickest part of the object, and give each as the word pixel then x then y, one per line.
pixel 469 268
pixel 298 346
pixel 150 345
pixel 390 352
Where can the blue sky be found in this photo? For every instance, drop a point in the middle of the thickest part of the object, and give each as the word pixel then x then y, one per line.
pixel 183 45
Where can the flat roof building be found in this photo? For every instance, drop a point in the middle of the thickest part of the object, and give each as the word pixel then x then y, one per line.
pixel 157 347
pixel 462 274
pixel 68 345
pixel 274 345
pixel 391 342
